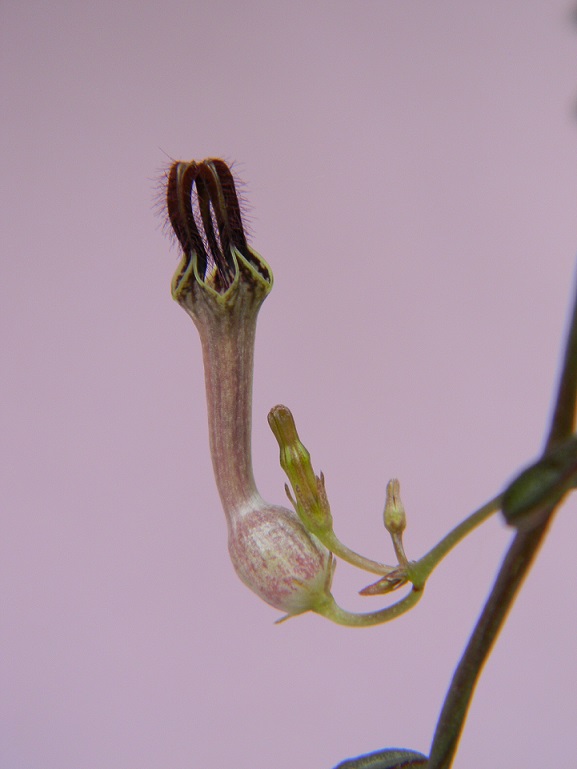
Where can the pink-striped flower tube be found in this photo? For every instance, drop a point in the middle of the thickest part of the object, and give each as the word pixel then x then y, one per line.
pixel 222 282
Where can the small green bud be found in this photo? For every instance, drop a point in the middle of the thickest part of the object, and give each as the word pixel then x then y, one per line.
pixel 394 515
pixel 311 501
pixel 395 521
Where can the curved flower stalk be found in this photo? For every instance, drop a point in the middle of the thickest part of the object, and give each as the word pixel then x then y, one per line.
pixel 221 283
pixel 285 556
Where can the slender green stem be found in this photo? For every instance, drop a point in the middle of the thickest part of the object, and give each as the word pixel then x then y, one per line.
pixel 419 571
pixel 331 610
pixel 333 543
pixel 400 550
pixel 515 566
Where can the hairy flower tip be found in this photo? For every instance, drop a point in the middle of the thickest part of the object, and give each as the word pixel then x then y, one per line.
pixel 279 560
pixel 204 212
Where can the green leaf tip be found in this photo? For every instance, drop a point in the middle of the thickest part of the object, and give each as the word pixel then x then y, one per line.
pixel 392 758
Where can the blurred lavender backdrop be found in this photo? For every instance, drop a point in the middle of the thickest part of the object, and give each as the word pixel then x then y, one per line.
pixel 412 172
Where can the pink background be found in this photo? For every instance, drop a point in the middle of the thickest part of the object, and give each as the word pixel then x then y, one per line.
pixel 411 167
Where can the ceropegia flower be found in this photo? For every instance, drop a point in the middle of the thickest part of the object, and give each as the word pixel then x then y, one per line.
pixel 221 282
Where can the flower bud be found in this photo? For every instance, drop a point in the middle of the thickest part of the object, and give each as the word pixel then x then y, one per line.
pixel 394 515
pixel 395 522
pixel 311 503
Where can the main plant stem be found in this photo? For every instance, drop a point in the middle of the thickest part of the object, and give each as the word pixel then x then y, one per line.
pixel 509 580
pixel 515 566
